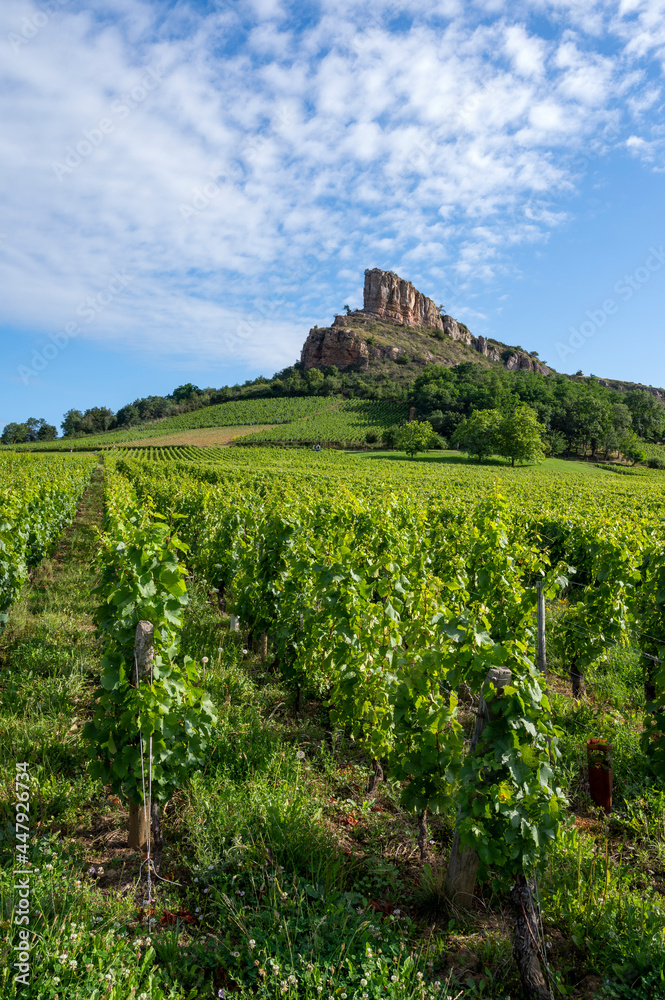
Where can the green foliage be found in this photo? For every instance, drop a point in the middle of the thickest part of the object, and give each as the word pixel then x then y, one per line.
pixel 479 434
pixel 519 436
pixel 143 580
pixel 337 422
pixel 38 499
pixel 414 437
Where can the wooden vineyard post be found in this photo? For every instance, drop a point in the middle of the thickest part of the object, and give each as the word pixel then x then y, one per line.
pixel 144 654
pixel 542 655
pixel 526 942
pixel 577 679
pixel 263 647
pixel 463 864
pixel 599 759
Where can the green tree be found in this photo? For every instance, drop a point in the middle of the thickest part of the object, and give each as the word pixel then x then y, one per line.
pixel 184 392
pixel 14 434
pixel 414 437
pixel 555 443
pixel 46 432
pixel 648 414
pixel 519 436
pixel 315 380
pixel 389 437
pixel 631 447
pixel 96 420
pixel 71 423
pixel 478 435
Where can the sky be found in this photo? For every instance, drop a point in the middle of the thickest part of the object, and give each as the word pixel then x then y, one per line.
pixel 187 188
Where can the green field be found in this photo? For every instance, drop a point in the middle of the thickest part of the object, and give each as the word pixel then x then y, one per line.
pixel 342 424
pixel 240 413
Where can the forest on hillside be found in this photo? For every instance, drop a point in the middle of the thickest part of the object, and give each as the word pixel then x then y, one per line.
pixel 577 413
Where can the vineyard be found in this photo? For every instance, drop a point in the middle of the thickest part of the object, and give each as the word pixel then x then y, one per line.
pixel 239 413
pixel 38 499
pixel 343 424
pixel 362 773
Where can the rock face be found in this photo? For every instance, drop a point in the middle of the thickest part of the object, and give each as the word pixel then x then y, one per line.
pixel 335 345
pixel 391 297
pixel 627 386
pixel 392 300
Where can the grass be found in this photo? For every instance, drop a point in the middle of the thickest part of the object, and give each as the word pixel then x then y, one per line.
pixel 285 879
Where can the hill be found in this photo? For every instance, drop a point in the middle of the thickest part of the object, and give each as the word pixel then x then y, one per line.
pixel 401 329
pixel 400 356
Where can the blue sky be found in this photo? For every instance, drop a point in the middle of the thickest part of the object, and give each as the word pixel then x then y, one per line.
pixel 187 188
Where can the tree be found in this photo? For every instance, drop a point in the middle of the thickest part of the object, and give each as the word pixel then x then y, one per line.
pixel 315 379
pixel 32 425
pixel 185 392
pixel 46 432
pixel 96 420
pixel 648 414
pixel 14 434
pixel 71 423
pixel 127 415
pixel 414 437
pixel 478 434
pixel 519 436
pixel 555 443
pixel 389 437
pixel 631 447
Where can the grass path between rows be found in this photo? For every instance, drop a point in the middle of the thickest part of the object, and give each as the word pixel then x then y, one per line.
pixel 49 668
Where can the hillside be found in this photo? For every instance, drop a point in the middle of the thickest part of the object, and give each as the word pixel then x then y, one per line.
pixel 398 357
pixel 399 329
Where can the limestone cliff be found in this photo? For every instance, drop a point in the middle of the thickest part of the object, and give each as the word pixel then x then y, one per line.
pixel 372 333
pixel 391 297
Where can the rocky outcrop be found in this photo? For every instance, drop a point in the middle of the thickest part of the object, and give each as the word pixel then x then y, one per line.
pixel 513 360
pixel 627 386
pixel 391 297
pixel 335 345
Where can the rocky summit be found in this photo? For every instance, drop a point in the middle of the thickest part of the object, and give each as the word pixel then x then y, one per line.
pixel 399 324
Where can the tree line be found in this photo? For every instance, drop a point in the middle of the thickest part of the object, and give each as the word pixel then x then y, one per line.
pixel 576 415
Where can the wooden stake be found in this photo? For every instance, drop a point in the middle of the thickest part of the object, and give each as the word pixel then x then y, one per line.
pixel 375 779
pixel 577 680
pixel 422 834
pixel 144 654
pixel 542 654
pixel 463 864
pixel 526 942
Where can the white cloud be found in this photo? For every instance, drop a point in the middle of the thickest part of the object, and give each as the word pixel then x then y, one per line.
pixel 264 155
pixel 526 52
